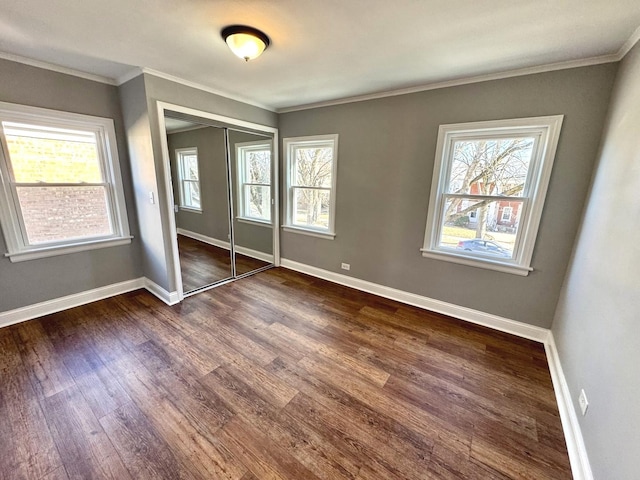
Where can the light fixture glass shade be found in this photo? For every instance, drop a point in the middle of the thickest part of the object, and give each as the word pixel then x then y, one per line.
pixel 245 42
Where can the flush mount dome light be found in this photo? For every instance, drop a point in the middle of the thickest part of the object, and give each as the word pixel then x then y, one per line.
pixel 245 42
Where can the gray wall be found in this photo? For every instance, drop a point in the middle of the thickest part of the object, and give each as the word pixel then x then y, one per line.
pixel 385 163
pixel 213 221
pixel 34 281
pixel 596 324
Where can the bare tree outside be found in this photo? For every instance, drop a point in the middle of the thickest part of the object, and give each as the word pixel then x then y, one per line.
pixel 258 175
pixel 313 168
pixel 495 167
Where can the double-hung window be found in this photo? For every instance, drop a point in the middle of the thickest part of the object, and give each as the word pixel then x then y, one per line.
pixel 253 172
pixel 489 184
pixel 311 164
pixel 61 186
pixel 189 179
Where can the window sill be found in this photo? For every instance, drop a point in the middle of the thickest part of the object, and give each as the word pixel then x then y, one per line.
pixel 311 233
pixel 66 249
pixel 192 210
pixel 485 263
pixel 253 221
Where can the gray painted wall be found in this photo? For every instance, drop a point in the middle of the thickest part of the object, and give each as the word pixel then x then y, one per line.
pixel 385 164
pixel 214 219
pixel 596 324
pixel 34 281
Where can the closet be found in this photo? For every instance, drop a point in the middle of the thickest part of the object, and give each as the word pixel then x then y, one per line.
pixel 223 193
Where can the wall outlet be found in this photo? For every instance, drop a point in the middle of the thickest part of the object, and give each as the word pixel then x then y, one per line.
pixel 584 403
pixel 345 266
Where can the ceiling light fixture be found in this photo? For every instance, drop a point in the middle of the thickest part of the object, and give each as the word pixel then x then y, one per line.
pixel 245 42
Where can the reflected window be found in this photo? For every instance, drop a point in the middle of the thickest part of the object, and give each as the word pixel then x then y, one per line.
pixel 254 181
pixel 61 179
pixel 488 190
pixel 189 178
pixel 311 164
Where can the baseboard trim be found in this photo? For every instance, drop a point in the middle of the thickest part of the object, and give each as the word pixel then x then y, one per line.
pixel 495 322
pixel 170 298
pixel 48 307
pixel 265 257
pixel 580 466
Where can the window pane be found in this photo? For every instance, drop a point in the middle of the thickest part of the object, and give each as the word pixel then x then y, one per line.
pixel 191 194
pixel 258 167
pixel 313 167
pixel 52 214
pixel 311 207
pixel 52 155
pixel 190 167
pixel 258 202
pixel 481 226
pixel 490 166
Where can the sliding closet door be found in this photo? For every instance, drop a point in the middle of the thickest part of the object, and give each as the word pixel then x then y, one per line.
pixel 252 187
pixel 201 202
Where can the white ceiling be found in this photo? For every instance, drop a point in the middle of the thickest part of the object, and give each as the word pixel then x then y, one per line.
pixel 321 50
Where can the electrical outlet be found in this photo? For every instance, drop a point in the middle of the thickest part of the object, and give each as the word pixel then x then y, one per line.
pixel 584 403
pixel 345 266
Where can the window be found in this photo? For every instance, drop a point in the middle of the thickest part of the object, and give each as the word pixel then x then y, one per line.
pixel 489 184
pixel 61 187
pixel 189 178
pixel 311 183
pixel 506 214
pixel 254 181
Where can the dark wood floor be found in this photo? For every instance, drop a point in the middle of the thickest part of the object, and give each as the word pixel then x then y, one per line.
pixel 277 376
pixel 203 264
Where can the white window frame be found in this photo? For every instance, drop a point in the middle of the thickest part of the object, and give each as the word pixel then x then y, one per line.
pixel 547 131
pixel 506 210
pixel 180 154
pixel 318 141
pixel 11 220
pixel 241 150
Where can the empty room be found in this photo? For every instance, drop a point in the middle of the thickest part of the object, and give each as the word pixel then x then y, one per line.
pixel 305 240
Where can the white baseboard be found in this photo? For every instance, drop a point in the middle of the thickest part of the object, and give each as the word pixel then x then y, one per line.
pixel 204 238
pixel 265 257
pixel 170 298
pixel 463 313
pixel 48 307
pixel 580 466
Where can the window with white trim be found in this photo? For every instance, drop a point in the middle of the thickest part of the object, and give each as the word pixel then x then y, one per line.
pixel 311 165
pixel 506 214
pixel 61 185
pixel 488 190
pixel 254 181
pixel 189 179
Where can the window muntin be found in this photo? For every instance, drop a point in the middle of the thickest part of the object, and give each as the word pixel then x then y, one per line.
pixel 489 184
pixel 189 179
pixel 60 182
pixel 311 179
pixel 254 181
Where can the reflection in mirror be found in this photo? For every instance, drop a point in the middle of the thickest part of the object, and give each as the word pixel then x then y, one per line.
pixel 201 197
pixel 251 176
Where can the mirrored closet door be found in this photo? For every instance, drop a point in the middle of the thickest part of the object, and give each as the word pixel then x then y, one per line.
pixel 223 200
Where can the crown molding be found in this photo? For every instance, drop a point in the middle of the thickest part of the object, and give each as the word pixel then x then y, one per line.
pixel 56 68
pixel 204 88
pixel 130 75
pixel 586 62
pixel 629 44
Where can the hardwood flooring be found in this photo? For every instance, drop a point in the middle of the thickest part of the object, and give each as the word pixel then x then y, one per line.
pixel 202 264
pixel 276 376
